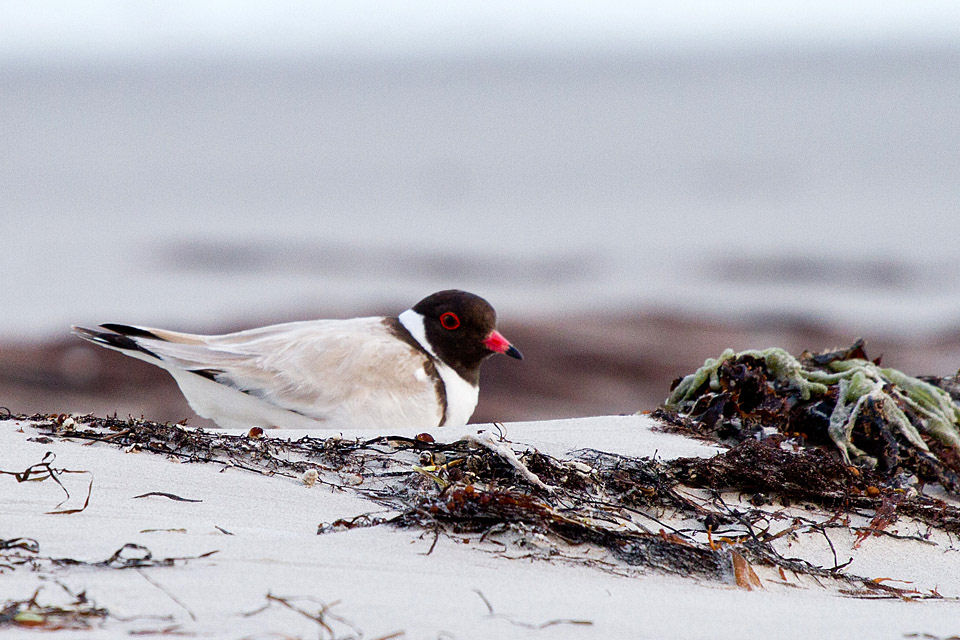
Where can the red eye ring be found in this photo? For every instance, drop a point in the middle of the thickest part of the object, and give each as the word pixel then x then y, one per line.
pixel 449 320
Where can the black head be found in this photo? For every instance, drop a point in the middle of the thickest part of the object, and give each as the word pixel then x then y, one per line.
pixel 462 329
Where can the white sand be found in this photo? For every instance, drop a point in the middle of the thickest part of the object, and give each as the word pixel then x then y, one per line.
pixel 382 578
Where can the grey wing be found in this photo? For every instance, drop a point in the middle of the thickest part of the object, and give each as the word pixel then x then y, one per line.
pixel 319 368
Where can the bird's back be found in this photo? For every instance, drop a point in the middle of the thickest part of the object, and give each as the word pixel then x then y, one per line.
pixel 320 373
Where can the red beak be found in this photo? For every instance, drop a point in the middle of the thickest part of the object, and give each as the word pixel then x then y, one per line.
pixel 497 343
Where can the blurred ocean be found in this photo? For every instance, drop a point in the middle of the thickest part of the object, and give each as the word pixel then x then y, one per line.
pixel 817 182
pixel 635 186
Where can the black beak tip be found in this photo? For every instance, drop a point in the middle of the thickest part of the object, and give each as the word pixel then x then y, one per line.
pixel 513 352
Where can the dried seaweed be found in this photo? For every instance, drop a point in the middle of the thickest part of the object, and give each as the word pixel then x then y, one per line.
pixel 597 508
pixel 129 556
pixel 878 419
pixel 163 494
pixel 80 614
pixel 44 470
pixel 14 552
pixel 833 429
pixel 27 544
pixel 811 474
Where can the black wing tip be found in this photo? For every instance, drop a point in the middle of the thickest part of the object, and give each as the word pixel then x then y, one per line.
pixel 133 332
pixel 115 340
pixel 209 374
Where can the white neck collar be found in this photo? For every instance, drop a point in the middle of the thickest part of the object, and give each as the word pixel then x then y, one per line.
pixel 413 322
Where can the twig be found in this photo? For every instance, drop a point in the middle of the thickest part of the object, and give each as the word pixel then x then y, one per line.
pixel 436 536
pixel 168 594
pixel 320 617
pixel 166 495
pixel 528 625
pixel 485 601
pixel 836 562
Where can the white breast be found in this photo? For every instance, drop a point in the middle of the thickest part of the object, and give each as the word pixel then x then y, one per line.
pixel 461 395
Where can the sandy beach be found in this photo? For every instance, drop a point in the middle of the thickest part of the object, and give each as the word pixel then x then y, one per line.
pixel 243 557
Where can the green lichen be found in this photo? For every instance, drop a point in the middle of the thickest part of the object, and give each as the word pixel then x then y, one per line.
pixel 859 383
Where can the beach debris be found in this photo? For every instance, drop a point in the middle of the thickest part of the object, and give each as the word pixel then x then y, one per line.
pixel 163 494
pixel 485 486
pixel 485 439
pixel 44 470
pixel 330 624
pixel 529 625
pixel 15 552
pixel 612 512
pixel 80 613
pixel 130 556
pixel 874 417
pixel 345 524
pixel 27 544
pixel 744 574
pixel 309 477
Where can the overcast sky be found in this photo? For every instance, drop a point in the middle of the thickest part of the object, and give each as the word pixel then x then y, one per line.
pixel 106 28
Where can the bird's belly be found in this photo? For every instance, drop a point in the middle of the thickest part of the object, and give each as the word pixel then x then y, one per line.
pixel 366 407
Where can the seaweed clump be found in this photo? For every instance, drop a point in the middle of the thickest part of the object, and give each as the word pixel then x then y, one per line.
pixel 875 418
pixel 81 614
pixel 605 510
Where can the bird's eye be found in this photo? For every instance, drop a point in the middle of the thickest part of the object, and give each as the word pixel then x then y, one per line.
pixel 449 320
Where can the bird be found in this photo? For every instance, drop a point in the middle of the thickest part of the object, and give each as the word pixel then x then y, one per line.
pixel 420 368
